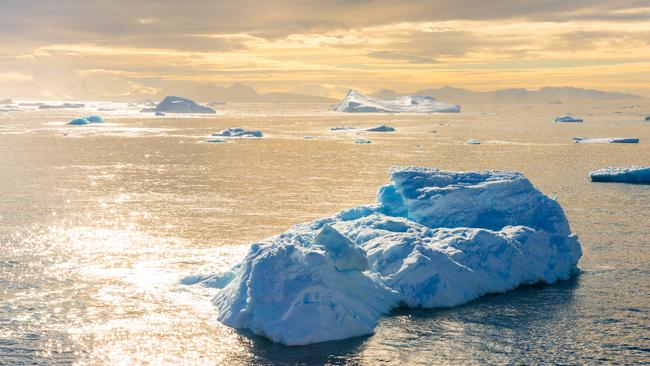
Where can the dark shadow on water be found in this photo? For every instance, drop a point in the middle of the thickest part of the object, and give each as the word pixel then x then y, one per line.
pixel 513 312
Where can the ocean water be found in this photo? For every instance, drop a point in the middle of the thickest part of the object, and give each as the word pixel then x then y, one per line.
pixel 99 223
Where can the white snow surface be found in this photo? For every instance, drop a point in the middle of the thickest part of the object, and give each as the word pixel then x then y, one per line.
pixel 434 239
pixel 355 102
pixel 635 174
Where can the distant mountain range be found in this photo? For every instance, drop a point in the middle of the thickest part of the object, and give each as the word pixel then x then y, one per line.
pixel 241 93
pixel 518 96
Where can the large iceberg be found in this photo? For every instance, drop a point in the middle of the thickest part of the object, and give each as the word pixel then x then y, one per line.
pixel 606 140
pixel 635 174
pixel 173 104
pixel 434 239
pixel 355 102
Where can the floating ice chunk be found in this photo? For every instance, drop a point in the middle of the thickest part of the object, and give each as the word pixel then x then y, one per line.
pixel 216 140
pixel 173 104
pixel 238 132
pixel 647 118
pixel 62 106
pixel 355 102
pixel 473 142
pixel 159 113
pixel 86 120
pixel 434 239
pixel 344 128
pixel 362 141
pixel 606 140
pixel 382 128
pixel 568 118
pixel 635 174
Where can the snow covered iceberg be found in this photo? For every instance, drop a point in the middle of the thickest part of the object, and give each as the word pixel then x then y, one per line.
pixel 636 175
pixel 433 239
pixel 355 102
pixel 173 104
pixel 568 118
pixel 606 140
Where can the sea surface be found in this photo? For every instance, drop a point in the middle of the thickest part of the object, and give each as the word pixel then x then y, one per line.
pixel 99 223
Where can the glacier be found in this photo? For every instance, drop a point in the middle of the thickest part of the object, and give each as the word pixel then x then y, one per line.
pixel 433 239
pixel 568 118
pixel 606 140
pixel 635 175
pixel 355 102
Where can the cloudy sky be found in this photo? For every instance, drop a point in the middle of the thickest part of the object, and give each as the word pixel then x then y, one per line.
pixel 138 48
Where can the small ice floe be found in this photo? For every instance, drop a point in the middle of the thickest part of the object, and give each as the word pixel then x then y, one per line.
pixel 362 141
pixel 606 140
pixel 647 118
pixel 173 104
pixel 473 142
pixel 568 118
pixel 216 141
pixel 355 102
pixel 433 239
pixel 634 175
pixel 86 120
pixel 343 128
pixel 382 128
pixel 238 132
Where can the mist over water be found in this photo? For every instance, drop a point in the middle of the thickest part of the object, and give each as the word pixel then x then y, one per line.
pixel 99 223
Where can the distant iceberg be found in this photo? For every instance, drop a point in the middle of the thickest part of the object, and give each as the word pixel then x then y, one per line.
pixel 636 175
pixel 473 142
pixel 238 132
pixel 382 128
pixel 355 102
pixel 434 239
pixel 647 118
pixel 363 141
pixel 62 106
pixel 606 140
pixel 568 118
pixel 173 104
pixel 86 120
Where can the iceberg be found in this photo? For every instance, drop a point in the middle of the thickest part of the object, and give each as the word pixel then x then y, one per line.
pixel 382 128
pixel 433 239
pixel 86 120
pixel 363 141
pixel 173 104
pixel 606 140
pixel 473 142
pixel 568 118
pixel 355 102
pixel 647 118
pixel 635 174
pixel 238 132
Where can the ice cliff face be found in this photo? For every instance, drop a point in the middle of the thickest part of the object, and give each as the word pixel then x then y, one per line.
pixel 434 239
pixel 355 102
pixel 636 175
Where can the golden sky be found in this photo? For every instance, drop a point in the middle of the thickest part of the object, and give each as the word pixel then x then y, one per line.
pixel 139 48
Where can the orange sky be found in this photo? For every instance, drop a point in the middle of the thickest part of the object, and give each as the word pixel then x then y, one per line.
pixel 50 49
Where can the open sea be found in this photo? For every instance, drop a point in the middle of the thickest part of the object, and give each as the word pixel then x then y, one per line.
pixel 99 223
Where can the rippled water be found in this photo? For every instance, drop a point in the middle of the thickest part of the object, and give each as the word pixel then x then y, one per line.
pixel 99 223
